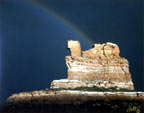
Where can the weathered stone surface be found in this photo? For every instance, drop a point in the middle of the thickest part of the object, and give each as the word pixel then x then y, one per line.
pixel 83 68
pixel 101 63
pixel 108 50
pixel 71 97
pixel 86 69
pixel 111 50
pixel 65 83
pixel 66 101
pixel 74 47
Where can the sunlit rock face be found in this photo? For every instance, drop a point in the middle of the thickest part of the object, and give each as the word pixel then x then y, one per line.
pixel 74 47
pixel 65 83
pixel 108 50
pixel 100 66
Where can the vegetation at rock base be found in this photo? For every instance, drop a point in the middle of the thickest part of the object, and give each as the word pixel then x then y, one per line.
pixel 98 89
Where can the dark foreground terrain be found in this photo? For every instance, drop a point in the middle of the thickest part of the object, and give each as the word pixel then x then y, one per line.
pixel 99 106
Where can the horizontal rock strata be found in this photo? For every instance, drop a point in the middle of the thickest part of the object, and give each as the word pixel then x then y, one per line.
pixel 71 97
pixel 82 68
pixel 97 65
pixel 65 83
pixel 66 101
pixel 112 70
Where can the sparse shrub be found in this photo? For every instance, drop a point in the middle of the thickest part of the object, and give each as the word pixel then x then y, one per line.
pixel 99 89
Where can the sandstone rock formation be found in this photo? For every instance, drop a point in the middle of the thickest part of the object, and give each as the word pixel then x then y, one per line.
pixel 100 66
pixel 65 83
pixel 108 50
pixel 74 47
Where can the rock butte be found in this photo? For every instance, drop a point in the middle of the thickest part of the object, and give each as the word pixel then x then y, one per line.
pixel 100 66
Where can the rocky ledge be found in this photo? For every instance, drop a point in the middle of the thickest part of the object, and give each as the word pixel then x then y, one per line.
pixel 68 101
pixel 71 96
pixel 66 83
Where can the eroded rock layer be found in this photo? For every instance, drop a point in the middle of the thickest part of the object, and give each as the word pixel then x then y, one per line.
pixel 69 96
pixel 65 83
pixel 111 70
pixel 83 68
pixel 68 101
pixel 100 66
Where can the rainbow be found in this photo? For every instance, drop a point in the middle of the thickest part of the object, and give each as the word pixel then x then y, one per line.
pixel 63 20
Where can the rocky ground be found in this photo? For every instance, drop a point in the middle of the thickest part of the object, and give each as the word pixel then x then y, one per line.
pixel 72 101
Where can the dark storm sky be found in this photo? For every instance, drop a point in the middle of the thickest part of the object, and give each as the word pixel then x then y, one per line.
pixel 34 42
